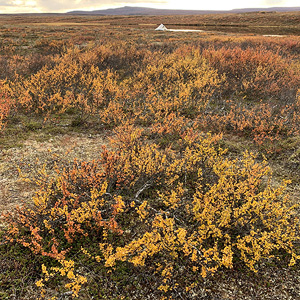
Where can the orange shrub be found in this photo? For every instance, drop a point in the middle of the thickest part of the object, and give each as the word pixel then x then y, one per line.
pixel 263 122
pixel 68 84
pixel 47 47
pixel 6 104
pixel 177 82
pixel 255 73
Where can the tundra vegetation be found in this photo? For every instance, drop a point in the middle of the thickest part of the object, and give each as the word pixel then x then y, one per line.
pixel 197 177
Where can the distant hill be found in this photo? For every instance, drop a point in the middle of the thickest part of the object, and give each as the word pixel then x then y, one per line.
pixel 144 11
pixel 269 9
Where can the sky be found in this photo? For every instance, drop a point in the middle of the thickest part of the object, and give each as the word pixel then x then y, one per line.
pixel 43 6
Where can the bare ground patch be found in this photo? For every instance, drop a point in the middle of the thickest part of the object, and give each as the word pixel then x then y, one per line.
pixel 33 156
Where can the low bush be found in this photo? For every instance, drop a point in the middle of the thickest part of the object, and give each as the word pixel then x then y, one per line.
pixel 174 216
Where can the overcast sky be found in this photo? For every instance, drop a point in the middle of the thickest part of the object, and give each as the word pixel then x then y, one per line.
pixel 19 6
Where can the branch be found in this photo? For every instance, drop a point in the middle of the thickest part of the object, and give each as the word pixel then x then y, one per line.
pixel 66 294
pixel 146 185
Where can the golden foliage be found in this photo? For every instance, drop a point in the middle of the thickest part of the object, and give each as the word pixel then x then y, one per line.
pixel 192 209
pixel 164 199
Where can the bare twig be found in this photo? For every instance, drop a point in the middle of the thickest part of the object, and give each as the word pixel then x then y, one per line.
pixel 66 294
pixel 146 185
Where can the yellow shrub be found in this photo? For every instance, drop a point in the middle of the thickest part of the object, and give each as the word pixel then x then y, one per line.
pixel 177 214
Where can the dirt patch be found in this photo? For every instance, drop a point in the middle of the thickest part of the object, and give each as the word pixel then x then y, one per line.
pixel 33 156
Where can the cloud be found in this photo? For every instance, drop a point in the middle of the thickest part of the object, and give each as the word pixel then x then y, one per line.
pixel 18 6
pixel 7 3
pixel 272 3
pixel 62 5
pixel 280 3
pixel 27 6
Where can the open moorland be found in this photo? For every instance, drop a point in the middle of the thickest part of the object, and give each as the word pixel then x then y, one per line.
pixel 143 164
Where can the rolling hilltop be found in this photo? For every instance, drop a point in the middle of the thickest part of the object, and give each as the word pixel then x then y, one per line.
pixel 130 10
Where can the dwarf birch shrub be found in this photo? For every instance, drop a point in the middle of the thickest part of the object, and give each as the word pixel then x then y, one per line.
pixel 71 83
pixel 177 82
pixel 255 73
pixel 263 122
pixel 6 104
pixel 177 215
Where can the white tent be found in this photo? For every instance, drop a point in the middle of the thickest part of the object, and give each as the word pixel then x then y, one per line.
pixel 161 27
